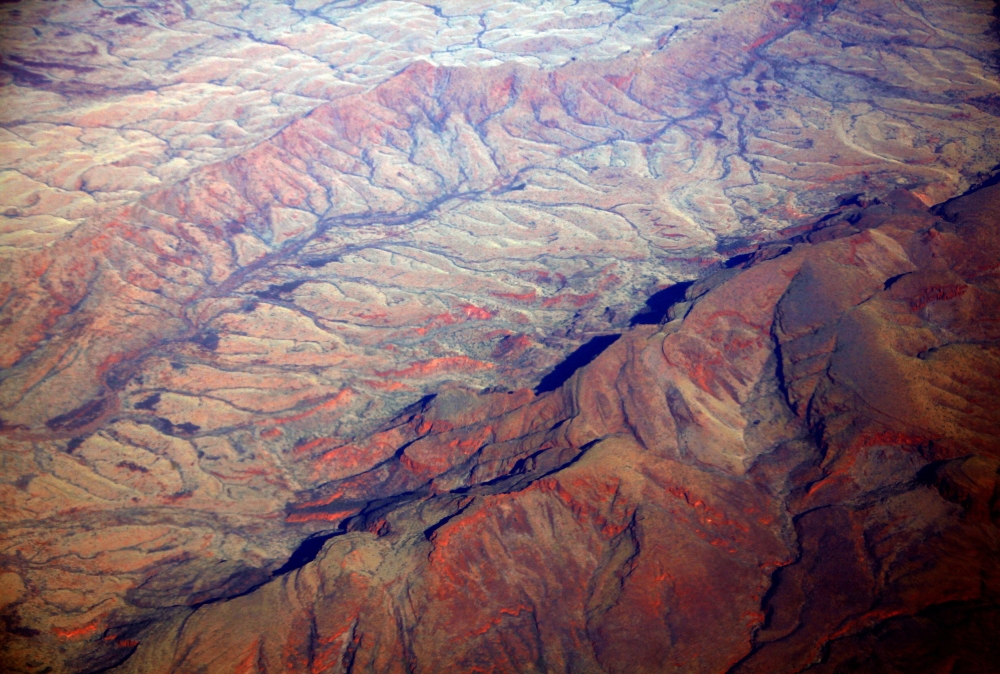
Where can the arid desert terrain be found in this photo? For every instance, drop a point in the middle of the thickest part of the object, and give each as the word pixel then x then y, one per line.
pixel 494 337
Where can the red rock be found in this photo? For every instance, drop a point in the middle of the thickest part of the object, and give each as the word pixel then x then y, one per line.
pixel 275 285
pixel 654 514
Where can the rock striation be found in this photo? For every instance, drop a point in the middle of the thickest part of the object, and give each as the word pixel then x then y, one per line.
pixel 286 289
pixel 367 237
pixel 796 470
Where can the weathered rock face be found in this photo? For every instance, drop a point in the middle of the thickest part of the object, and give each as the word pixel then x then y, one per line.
pixel 271 272
pixel 801 467
pixel 798 470
pixel 246 210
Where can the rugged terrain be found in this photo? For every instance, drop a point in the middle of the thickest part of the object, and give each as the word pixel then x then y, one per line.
pixel 798 471
pixel 283 286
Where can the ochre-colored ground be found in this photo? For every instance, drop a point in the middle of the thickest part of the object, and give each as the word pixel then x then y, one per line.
pixel 272 270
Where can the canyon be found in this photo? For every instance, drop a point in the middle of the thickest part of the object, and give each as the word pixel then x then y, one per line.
pixel 515 337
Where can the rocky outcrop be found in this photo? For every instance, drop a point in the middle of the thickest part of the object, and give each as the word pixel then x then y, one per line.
pixel 268 272
pixel 798 469
pixel 340 202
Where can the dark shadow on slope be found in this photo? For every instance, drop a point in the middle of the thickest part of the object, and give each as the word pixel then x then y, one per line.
pixel 737 260
pixel 994 179
pixel 307 551
pixel 429 531
pixel 574 361
pixel 659 304
pixel 276 290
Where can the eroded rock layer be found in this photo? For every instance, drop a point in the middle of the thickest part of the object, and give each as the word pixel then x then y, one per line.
pixel 201 203
pixel 798 470
pixel 281 283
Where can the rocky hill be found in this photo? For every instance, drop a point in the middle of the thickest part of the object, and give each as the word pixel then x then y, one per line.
pixel 798 470
pixel 584 337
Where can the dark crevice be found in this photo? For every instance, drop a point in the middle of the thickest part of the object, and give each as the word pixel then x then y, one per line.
pixel 379 508
pixel 660 303
pixel 514 480
pixel 889 282
pixel 167 427
pixel 307 551
pixel 994 179
pixel 79 417
pixel 584 355
pixel 576 457
pixel 350 653
pixel 519 478
pixel 780 379
pixel 737 260
pixel 429 531
pixel 322 262
pixel 149 403
pixel 274 291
